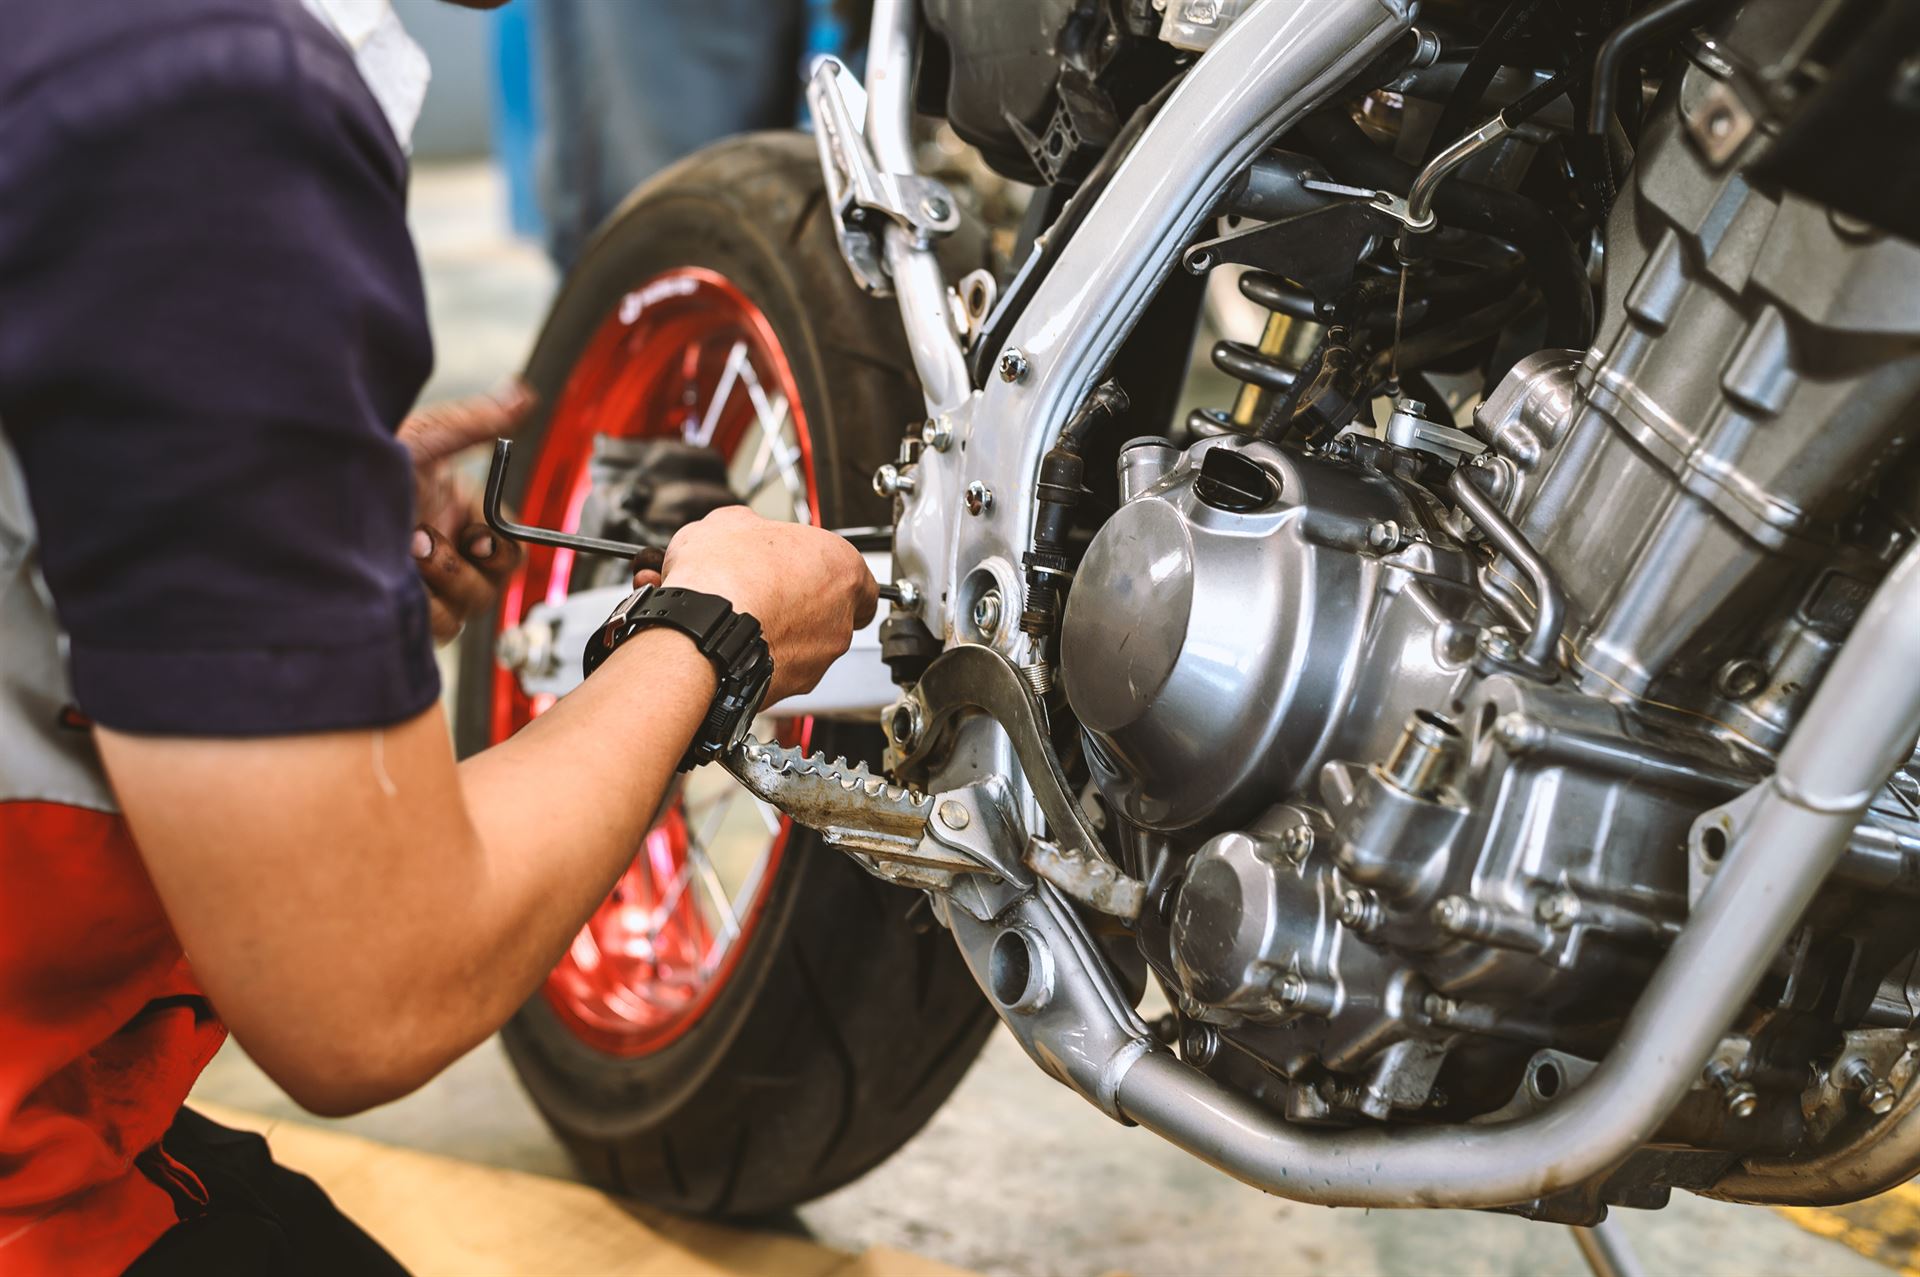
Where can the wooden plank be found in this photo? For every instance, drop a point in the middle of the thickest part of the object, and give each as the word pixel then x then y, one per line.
pixel 442 1216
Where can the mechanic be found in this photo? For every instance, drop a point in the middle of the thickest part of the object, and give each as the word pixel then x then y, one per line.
pixel 220 730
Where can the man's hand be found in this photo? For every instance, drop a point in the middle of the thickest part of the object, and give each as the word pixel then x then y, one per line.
pixel 809 589
pixel 462 563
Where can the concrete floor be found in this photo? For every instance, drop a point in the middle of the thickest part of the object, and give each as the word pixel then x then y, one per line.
pixel 1015 1175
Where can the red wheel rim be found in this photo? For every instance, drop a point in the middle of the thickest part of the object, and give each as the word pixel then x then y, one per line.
pixel 685 353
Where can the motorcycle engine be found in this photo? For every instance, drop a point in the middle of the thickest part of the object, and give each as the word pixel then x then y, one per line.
pixel 1400 864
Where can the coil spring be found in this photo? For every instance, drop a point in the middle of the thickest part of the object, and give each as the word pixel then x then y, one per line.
pixel 1039 677
pixel 1265 369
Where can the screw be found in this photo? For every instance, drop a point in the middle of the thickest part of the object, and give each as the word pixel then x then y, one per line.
pixel 1297 842
pixel 1013 364
pixel 979 498
pixel 936 208
pixel 1560 909
pixel 954 815
pixel 986 614
pixel 1877 1096
pixel 938 433
pixel 1740 1097
pixel 1384 535
pixel 1740 678
pixel 890 481
pixel 1498 644
pixel 1199 1044
pixel 1358 909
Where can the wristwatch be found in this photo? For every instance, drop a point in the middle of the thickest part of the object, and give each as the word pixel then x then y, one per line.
pixel 729 639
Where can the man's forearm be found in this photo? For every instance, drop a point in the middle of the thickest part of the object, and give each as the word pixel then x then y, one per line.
pixel 561 807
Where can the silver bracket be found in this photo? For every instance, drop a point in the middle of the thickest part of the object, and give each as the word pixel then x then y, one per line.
pixel 861 196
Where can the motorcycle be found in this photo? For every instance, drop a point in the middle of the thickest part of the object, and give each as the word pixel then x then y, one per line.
pixel 1494 732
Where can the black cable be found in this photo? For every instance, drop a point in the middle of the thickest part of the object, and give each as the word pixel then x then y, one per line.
pixel 1552 262
pixel 1615 55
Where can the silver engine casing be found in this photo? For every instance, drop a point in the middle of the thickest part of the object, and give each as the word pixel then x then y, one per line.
pixel 1360 898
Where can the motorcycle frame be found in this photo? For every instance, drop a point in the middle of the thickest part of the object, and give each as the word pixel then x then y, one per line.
pixel 1279 59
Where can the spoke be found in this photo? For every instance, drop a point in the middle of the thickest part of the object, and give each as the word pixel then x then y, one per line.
pixel 796 483
pixel 736 365
pixel 721 807
pixel 769 815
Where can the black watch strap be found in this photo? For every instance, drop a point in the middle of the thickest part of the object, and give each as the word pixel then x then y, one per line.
pixel 730 640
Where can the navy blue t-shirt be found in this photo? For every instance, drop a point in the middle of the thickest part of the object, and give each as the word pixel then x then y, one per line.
pixel 211 322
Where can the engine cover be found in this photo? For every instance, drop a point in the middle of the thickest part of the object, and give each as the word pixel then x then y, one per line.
pixel 1213 641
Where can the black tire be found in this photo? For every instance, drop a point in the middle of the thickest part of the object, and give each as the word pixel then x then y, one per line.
pixel 849 1017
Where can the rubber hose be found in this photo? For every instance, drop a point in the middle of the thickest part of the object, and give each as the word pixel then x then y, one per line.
pixel 1555 266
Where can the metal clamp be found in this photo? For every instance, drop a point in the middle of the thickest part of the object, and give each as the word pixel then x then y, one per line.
pixel 859 193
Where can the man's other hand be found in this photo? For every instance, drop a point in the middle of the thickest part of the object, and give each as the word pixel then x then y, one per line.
pixel 808 588
pixel 461 561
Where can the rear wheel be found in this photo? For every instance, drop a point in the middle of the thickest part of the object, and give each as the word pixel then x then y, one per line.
pixel 750 1020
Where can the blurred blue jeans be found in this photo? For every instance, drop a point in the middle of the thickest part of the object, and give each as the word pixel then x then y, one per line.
pixel 629 86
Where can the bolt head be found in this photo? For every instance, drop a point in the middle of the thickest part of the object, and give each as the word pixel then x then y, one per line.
pixel 909 592
pixel 979 498
pixel 1498 644
pixel 936 208
pixel 1296 843
pixel 1742 1100
pixel 1559 909
pixel 1290 990
pixel 1879 1099
pixel 1450 913
pixel 1199 1044
pixel 1356 909
pixel 986 614
pixel 938 433
pixel 890 481
pixel 1013 364
pixel 954 815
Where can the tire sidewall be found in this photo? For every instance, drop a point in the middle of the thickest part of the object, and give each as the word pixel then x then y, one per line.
pixel 695 215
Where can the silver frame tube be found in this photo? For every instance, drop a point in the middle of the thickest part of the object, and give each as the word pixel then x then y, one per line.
pixel 918 286
pixel 1861 725
pixel 1277 61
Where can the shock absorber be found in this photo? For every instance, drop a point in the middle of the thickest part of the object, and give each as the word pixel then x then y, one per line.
pixel 1267 369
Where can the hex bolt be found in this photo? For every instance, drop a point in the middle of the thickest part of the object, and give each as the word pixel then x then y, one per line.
pixel 979 498
pixel 1450 913
pixel 1877 1096
pixel 1290 990
pixel 1359 911
pixel 1013 364
pixel 1740 1097
pixel 1199 1043
pixel 1384 536
pixel 906 595
pixel 986 614
pixel 1497 643
pixel 1296 843
pixel 1558 909
pixel 954 815
pixel 936 208
pixel 891 481
pixel 937 433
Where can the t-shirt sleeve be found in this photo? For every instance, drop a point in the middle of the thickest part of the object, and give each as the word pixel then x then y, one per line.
pixel 211 321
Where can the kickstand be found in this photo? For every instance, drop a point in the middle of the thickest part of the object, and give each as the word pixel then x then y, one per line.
pixel 1607 1251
